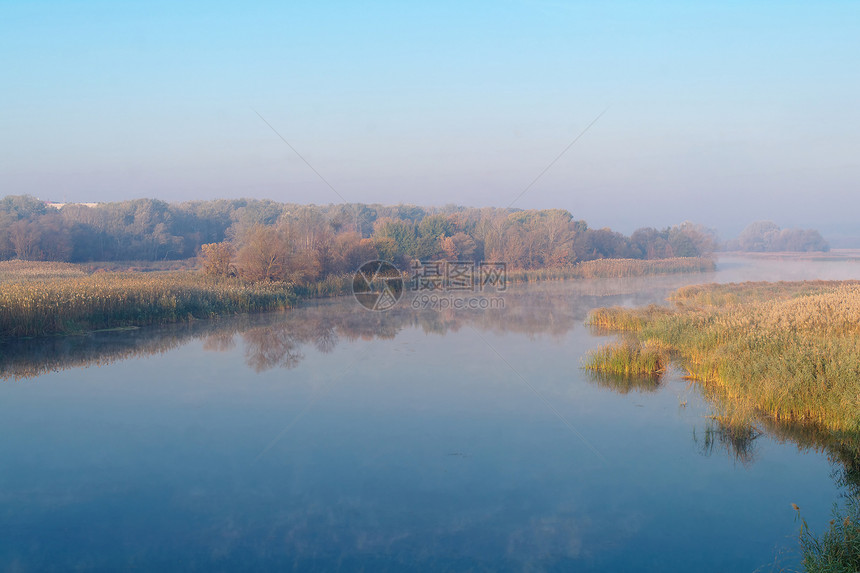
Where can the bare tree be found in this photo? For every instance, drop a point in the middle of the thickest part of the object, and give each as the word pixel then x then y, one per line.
pixel 25 236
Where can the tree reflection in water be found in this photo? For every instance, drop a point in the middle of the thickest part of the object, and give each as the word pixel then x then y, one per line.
pixel 279 340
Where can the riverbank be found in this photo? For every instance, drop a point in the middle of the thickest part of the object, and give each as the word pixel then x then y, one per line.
pixel 616 268
pixel 788 350
pixel 785 353
pixel 55 298
pixel 46 298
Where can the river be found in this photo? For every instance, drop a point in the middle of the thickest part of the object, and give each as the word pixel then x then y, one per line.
pixel 333 438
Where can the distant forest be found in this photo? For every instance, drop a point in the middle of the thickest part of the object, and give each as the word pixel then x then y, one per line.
pixel 316 240
pixel 150 229
pixel 767 237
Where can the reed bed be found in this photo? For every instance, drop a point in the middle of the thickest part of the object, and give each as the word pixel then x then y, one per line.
pixel 12 271
pixel 329 286
pixel 626 359
pixel 788 350
pixel 615 268
pixel 618 319
pixel 35 306
pixel 621 268
pixel 734 293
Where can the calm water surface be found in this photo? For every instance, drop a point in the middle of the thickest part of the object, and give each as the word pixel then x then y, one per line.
pixel 332 438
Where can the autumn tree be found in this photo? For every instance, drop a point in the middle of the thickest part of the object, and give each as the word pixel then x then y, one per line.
pixel 458 247
pixel 217 258
pixel 262 255
pixel 352 251
pixel 306 242
pixel 602 244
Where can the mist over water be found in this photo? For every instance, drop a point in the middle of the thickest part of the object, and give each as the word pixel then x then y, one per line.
pixel 334 438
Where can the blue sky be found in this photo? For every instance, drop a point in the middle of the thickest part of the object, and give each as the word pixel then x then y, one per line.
pixel 721 113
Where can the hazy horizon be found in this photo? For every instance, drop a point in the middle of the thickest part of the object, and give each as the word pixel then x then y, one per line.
pixel 721 114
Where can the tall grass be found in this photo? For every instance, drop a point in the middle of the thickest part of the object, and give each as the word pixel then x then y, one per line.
pixel 836 550
pixel 11 271
pixel 713 295
pixel 330 285
pixel 620 268
pixel 788 350
pixel 615 268
pixel 620 319
pixel 786 354
pixel 37 306
pixel 626 359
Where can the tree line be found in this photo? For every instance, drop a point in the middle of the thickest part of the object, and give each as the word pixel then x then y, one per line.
pixel 768 237
pixel 264 239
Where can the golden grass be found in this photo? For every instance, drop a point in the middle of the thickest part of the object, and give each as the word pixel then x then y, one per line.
pixel 40 303
pixel 620 319
pixel 620 268
pixel 11 271
pixel 627 358
pixel 615 268
pixel 788 350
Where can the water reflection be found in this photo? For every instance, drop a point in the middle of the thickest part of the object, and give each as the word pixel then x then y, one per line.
pixel 737 439
pixel 624 384
pixel 735 435
pixel 277 340
pixel 23 359
pixel 442 473
pixel 280 340
pixel 842 449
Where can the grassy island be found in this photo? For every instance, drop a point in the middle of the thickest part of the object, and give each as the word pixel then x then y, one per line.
pixel 789 350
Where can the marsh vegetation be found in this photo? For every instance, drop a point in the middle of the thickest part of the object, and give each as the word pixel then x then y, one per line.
pixel 38 300
pixel 44 298
pixel 334 373
pixel 786 350
pixel 787 353
pixel 258 255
